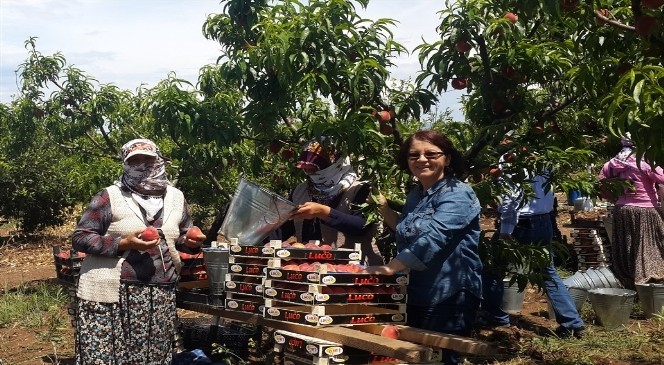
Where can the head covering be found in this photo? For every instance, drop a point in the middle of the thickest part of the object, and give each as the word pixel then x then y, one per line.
pixel 147 181
pixel 334 173
pixel 139 147
pixel 627 147
pixel 317 155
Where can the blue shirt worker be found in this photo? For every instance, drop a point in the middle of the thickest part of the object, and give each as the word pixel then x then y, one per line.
pixel 531 224
pixel 437 236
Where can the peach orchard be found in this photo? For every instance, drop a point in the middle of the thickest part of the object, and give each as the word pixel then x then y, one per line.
pixel 564 79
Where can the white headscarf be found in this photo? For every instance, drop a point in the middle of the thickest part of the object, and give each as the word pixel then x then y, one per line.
pixel 330 182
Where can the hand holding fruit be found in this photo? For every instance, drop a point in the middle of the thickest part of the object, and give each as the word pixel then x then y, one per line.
pixel 195 237
pixel 140 240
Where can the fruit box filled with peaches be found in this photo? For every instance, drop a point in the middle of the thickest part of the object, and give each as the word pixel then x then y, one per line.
pixel 312 284
pixel 324 286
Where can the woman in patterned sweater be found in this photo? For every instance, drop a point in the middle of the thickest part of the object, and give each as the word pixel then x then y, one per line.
pixel 125 308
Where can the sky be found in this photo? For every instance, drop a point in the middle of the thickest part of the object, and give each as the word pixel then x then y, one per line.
pixel 130 43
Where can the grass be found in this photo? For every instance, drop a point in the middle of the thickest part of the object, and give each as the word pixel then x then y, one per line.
pixel 42 306
pixel 640 342
pixel 36 305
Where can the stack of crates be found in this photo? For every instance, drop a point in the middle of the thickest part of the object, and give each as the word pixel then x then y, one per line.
pixel 592 247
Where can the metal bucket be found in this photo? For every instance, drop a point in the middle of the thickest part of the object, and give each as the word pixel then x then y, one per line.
pixel 254 212
pixel 216 266
pixel 578 295
pixel 651 298
pixel 592 279
pixel 612 306
pixel 512 297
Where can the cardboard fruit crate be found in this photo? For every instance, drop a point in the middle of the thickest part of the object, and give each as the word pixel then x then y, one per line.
pixel 244 303
pixel 321 276
pixel 344 314
pixel 306 346
pixel 67 265
pixel 299 293
pixel 253 287
pixel 315 251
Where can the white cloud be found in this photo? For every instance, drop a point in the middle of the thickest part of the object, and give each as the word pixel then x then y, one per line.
pixel 129 43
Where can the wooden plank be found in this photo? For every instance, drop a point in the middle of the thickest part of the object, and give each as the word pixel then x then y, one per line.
pixel 398 349
pixel 436 339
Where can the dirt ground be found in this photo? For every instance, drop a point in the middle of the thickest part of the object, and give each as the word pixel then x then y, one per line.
pixel 28 259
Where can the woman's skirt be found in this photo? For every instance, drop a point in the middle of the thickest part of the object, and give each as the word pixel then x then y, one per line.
pixel 139 329
pixel 637 248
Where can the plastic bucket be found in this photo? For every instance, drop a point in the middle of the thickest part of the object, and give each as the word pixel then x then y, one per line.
pixel 572 196
pixel 216 266
pixel 651 298
pixel 254 212
pixel 512 297
pixel 612 306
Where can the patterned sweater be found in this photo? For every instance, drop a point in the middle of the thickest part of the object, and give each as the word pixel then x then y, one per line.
pixel 150 266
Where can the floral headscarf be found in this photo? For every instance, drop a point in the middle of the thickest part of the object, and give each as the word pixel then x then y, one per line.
pixel 147 181
pixel 334 173
pixel 144 178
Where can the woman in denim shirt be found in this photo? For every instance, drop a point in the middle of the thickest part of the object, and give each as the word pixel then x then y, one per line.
pixel 437 236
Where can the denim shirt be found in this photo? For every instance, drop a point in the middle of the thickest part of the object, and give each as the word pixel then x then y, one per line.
pixel 437 235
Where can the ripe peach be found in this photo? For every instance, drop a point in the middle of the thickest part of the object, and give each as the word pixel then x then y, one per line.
pixel 390 331
pixel 462 47
pixel 511 17
pixel 325 247
pixel 194 233
pixel 459 83
pixel 149 234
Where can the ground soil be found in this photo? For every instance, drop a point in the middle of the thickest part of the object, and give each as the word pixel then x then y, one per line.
pixel 25 259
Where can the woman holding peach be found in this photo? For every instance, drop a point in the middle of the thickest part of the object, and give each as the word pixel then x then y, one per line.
pixel 125 305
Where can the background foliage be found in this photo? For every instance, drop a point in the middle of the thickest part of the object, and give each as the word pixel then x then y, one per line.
pixel 562 79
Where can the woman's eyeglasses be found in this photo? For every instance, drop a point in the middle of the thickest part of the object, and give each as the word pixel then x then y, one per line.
pixel 430 155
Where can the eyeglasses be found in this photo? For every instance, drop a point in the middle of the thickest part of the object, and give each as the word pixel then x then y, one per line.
pixel 429 155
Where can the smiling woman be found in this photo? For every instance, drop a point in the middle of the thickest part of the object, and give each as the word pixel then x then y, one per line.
pixel 437 237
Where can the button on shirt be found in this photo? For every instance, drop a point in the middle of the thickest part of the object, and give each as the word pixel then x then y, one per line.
pixel 437 238
pixel 540 203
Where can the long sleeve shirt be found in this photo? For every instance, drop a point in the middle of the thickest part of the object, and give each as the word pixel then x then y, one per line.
pixel 154 265
pixel 511 208
pixel 643 177
pixel 438 237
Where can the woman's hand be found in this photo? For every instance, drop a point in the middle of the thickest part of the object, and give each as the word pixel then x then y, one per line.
pixel 391 268
pixel 311 210
pixel 378 270
pixel 390 217
pixel 133 242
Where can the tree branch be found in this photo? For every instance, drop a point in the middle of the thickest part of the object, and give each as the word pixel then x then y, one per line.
pixel 614 23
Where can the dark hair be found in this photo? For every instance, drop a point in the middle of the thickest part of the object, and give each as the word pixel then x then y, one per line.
pixel 457 165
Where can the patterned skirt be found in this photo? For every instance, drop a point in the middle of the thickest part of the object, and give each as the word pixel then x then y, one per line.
pixel 139 329
pixel 637 248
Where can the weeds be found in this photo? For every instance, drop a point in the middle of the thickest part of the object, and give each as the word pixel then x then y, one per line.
pixel 34 305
